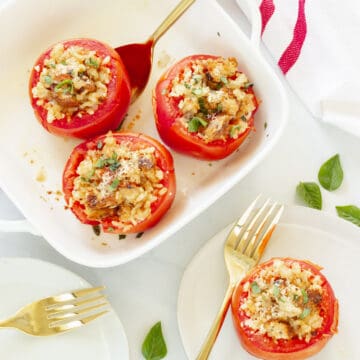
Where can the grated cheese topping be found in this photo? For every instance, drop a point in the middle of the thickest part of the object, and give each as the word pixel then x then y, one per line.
pixel 284 302
pixel 118 181
pixel 213 98
pixel 73 81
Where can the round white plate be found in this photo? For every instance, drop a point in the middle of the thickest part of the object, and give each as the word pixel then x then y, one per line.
pixel 302 233
pixel 23 280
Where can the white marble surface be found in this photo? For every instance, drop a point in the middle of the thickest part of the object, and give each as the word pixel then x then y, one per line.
pixel 145 290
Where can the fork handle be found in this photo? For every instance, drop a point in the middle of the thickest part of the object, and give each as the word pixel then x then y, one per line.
pixel 216 325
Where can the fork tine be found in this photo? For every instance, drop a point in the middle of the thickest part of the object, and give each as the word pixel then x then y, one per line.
pixel 236 230
pixel 244 241
pixel 76 323
pixel 71 297
pixel 63 305
pixel 260 227
pixel 75 311
pixel 267 235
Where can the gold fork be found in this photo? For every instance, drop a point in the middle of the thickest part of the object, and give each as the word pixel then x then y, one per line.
pixel 59 313
pixel 243 249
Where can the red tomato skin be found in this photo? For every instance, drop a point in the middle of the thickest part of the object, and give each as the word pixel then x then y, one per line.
pixel 110 112
pixel 176 136
pixel 262 347
pixel 158 208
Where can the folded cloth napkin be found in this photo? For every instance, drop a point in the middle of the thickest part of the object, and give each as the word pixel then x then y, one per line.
pixel 317 46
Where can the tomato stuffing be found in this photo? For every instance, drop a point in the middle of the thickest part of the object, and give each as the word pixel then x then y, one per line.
pixel 284 309
pixel 123 181
pixel 79 88
pixel 204 106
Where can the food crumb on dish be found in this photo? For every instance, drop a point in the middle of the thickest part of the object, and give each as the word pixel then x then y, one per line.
pixel 41 175
pixel 132 122
pixel 164 59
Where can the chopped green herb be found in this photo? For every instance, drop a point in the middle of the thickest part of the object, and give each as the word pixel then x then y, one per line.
pixel 115 184
pixel 52 65
pixel 197 78
pixel 243 117
pixel 234 130
pixel 114 166
pixel 276 291
pixel 65 86
pixel 255 289
pixel 305 296
pixel 96 229
pixel 197 91
pixel 93 62
pixel 265 125
pixel 295 297
pixel 100 163
pixel 122 236
pixel 64 62
pixel 224 80
pixel 139 235
pixel 218 34
pixel 219 108
pixel 48 80
pixel 99 144
pixel 110 229
pixel 187 85
pixel 306 312
pixel 203 108
pixel 154 346
pixel 248 85
pixel 195 123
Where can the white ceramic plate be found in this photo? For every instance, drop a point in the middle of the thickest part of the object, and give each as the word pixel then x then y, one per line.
pixel 302 233
pixel 23 280
pixel 32 160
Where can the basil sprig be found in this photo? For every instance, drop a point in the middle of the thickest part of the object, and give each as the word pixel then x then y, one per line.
pixel 154 346
pixel 310 193
pixel 350 213
pixel 331 174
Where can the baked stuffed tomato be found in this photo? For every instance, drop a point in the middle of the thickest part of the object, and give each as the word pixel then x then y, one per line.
pixel 124 182
pixel 79 88
pixel 204 106
pixel 284 309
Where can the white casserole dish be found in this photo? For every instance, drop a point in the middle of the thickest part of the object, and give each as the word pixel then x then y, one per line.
pixel 33 160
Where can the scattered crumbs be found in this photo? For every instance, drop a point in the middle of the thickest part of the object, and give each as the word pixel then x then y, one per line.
pixel 210 164
pixel 58 193
pixel 66 207
pixel 32 161
pixel 267 135
pixel 96 229
pixel 133 120
pixel 164 60
pixel 104 244
pixel 192 173
pixel 41 175
pixel 25 154
pixel 265 125
pixel 122 236
pixel 49 192
pixel 57 199
pixel 218 34
pixel 43 198
pixel 139 235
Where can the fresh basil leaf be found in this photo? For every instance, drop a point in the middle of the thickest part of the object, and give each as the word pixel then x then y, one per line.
pixel 350 213
pixel 310 193
pixel 331 174
pixel 154 346
pixel 306 312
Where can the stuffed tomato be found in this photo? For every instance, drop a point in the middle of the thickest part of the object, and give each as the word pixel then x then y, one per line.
pixel 284 309
pixel 79 88
pixel 124 182
pixel 204 106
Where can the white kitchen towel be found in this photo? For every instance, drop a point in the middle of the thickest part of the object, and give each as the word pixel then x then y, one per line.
pixel 317 46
